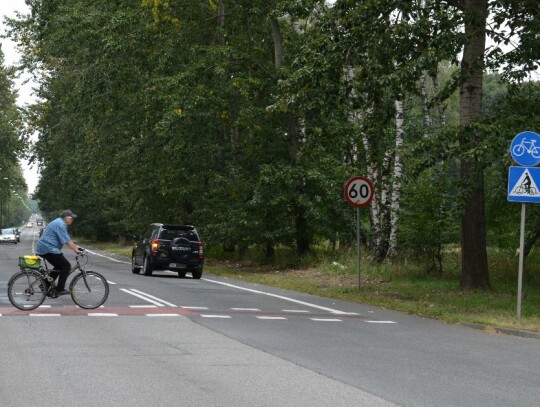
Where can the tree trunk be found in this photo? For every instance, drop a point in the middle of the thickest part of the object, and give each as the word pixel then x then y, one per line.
pixel 474 265
pixel 221 22
pixel 396 184
pixel 303 234
pixel 425 106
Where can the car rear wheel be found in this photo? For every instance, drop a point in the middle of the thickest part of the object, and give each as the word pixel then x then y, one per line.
pixel 147 267
pixel 134 268
pixel 197 274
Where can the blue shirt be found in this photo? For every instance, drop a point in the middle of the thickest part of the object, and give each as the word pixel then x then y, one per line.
pixel 54 237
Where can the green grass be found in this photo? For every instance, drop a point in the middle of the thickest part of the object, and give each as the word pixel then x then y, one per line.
pixel 406 286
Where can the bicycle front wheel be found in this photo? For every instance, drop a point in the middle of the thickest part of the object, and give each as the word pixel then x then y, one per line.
pixel 89 290
pixel 27 290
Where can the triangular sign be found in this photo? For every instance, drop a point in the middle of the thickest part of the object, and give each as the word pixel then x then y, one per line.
pixel 525 186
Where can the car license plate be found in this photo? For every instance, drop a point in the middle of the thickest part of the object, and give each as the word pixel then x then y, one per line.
pixel 177 266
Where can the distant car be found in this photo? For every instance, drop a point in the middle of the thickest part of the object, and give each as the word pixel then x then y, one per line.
pixel 168 247
pixel 8 236
pixel 29 225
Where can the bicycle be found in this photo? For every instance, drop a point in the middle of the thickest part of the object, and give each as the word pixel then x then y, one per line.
pixel 28 288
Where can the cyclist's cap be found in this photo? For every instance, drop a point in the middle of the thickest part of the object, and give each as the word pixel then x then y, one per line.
pixel 67 213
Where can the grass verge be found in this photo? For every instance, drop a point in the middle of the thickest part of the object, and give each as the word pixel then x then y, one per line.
pixel 405 287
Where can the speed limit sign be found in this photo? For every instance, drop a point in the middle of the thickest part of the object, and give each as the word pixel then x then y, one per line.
pixel 359 191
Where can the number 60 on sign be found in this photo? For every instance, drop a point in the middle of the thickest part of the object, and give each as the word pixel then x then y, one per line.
pixel 359 191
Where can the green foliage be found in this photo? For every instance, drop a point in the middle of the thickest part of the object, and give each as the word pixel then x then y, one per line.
pixel 154 111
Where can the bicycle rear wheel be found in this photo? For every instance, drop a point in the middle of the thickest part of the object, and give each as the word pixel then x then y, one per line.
pixel 89 292
pixel 27 290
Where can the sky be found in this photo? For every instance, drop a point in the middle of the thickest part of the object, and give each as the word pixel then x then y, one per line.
pixel 8 8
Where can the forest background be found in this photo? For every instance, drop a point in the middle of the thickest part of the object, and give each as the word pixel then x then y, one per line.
pixel 247 118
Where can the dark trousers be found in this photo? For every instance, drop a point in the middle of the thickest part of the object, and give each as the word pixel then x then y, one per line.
pixel 61 268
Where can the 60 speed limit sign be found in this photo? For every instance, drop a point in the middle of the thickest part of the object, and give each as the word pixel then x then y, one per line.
pixel 359 191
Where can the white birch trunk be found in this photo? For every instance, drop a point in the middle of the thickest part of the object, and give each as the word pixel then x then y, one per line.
pixel 425 105
pixel 396 186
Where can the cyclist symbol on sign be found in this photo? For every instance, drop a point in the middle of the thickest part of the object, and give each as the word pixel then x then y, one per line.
pixel 527 184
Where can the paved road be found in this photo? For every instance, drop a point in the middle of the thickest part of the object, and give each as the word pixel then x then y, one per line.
pixel 172 341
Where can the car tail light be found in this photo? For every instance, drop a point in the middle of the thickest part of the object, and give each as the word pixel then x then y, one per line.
pixel 200 250
pixel 154 246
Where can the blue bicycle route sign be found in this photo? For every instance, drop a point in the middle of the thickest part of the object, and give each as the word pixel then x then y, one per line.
pixel 525 148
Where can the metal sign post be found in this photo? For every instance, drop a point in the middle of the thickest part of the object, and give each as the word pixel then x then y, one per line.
pixel 358 193
pixel 520 268
pixel 359 267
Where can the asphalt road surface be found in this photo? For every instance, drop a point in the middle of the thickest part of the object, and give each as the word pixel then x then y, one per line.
pixel 169 341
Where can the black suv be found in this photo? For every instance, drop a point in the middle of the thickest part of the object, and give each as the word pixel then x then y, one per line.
pixel 168 247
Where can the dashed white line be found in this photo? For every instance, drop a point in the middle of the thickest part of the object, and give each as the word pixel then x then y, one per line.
pixel 45 315
pixel 162 315
pixel 215 316
pixel 101 314
pixel 298 311
pixel 381 322
pixel 246 309
pixel 188 307
pixel 270 318
pixel 327 319
pixel 307 304
pixel 143 306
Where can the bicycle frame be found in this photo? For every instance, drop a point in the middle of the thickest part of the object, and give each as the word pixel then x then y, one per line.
pixel 44 269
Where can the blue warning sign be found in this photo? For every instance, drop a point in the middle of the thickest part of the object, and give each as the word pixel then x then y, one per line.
pixel 523 184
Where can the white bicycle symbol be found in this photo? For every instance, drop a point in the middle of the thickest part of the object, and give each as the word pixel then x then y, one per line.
pixel 528 146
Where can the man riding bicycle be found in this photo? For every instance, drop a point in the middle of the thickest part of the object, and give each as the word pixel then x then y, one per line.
pixel 50 244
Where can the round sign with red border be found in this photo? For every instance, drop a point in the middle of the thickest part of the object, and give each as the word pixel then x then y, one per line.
pixel 359 191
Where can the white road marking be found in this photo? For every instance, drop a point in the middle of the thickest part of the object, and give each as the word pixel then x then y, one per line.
pixel 381 322
pixel 154 298
pixel 101 314
pixel 143 306
pixel 326 319
pixel 299 311
pixel 162 315
pixel 107 257
pixel 215 316
pixel 140 296
pixel 45 315
pixel 146 297
pixel 266 317
pixel 111 282
pixel 307 304
pixel 188 307
pixel 246 309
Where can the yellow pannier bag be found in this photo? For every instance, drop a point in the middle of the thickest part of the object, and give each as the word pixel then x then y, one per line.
pixel 29 262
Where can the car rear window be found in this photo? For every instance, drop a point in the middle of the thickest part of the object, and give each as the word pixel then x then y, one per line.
pixel 170 234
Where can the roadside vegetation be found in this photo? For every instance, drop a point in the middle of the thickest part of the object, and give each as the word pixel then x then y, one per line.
pixel 247 118
pixel 406 286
